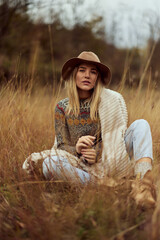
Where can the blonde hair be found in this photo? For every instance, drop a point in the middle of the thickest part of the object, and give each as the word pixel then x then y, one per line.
pixel 74 104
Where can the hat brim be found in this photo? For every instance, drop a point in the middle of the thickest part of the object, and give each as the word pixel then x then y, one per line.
pixel 74 62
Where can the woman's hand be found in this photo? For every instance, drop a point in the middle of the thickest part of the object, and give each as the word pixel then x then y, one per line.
pixel 84 142
pixel 89 155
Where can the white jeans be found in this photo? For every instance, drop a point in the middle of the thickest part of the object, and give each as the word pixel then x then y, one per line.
pixel 138 142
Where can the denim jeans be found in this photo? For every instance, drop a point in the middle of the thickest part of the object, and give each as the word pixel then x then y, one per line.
pixel 138 142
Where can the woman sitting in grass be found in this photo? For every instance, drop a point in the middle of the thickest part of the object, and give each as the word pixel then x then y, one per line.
pixel 92 140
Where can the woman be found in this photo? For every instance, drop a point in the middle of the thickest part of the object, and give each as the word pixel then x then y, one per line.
pixel 92 139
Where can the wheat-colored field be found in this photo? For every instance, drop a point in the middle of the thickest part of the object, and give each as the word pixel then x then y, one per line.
pixel 32 208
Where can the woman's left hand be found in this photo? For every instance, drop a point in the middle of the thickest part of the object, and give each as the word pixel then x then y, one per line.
pixel 89 154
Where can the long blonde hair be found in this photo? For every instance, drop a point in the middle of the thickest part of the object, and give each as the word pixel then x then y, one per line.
pixel 74 104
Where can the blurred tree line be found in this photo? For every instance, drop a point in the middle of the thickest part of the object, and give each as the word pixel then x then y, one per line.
pixel 37 50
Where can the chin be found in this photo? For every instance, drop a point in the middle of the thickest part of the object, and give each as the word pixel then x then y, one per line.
pixel 86 88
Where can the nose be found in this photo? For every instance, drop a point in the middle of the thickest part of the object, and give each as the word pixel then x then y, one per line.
pixel 87 73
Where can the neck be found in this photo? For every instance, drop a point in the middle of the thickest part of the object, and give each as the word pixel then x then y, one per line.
pixel 84 94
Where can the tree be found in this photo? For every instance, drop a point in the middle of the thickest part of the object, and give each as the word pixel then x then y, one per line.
pixel 8 8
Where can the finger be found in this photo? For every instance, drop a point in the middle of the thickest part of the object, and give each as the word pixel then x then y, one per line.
pixel 89 156
pixel 88 142
pixel 88 150
pixel 91 137
pixel 90 161
pixel 88 137
pixel 82 145
pixel 93 155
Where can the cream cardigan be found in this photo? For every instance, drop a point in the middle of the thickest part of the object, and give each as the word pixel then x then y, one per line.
pixel 115 160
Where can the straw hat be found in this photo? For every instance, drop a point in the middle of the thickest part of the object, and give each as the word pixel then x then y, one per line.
pixel 87 57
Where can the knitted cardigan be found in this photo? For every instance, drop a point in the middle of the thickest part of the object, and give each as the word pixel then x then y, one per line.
pixel 115 160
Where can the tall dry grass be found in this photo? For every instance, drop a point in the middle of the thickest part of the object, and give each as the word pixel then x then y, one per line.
pixel 31 208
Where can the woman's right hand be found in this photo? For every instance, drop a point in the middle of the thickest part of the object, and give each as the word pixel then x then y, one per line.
pixel 84 142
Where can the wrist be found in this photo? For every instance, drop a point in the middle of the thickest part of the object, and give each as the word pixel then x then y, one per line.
pixel 78 150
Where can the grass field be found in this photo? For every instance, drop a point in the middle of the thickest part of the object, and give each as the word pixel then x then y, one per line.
pixel 31 208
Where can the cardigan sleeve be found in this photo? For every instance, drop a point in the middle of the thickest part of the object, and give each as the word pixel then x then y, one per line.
pixel 123 109
pixel 62 132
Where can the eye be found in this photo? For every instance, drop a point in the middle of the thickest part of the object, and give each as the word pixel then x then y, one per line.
pixel 94 72
pixel 81 70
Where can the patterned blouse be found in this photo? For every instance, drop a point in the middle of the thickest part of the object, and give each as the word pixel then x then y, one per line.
pixel 69 129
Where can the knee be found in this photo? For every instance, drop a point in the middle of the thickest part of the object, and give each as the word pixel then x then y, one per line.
pixel 45 167
pixel 45 163
pixel 52 159
pixel 48 166
pixel 142 125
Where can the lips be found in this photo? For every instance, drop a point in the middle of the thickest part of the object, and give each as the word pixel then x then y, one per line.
pixel 86 82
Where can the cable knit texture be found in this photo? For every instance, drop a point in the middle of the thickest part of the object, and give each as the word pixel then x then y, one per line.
pixel 115 160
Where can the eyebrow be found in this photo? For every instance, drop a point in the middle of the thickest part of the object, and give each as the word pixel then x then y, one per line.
pixel 83 67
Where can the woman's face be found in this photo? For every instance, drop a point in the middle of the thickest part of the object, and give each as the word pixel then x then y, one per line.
pixel 86 77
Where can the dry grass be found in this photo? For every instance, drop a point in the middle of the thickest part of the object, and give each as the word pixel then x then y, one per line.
pixel 35 209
